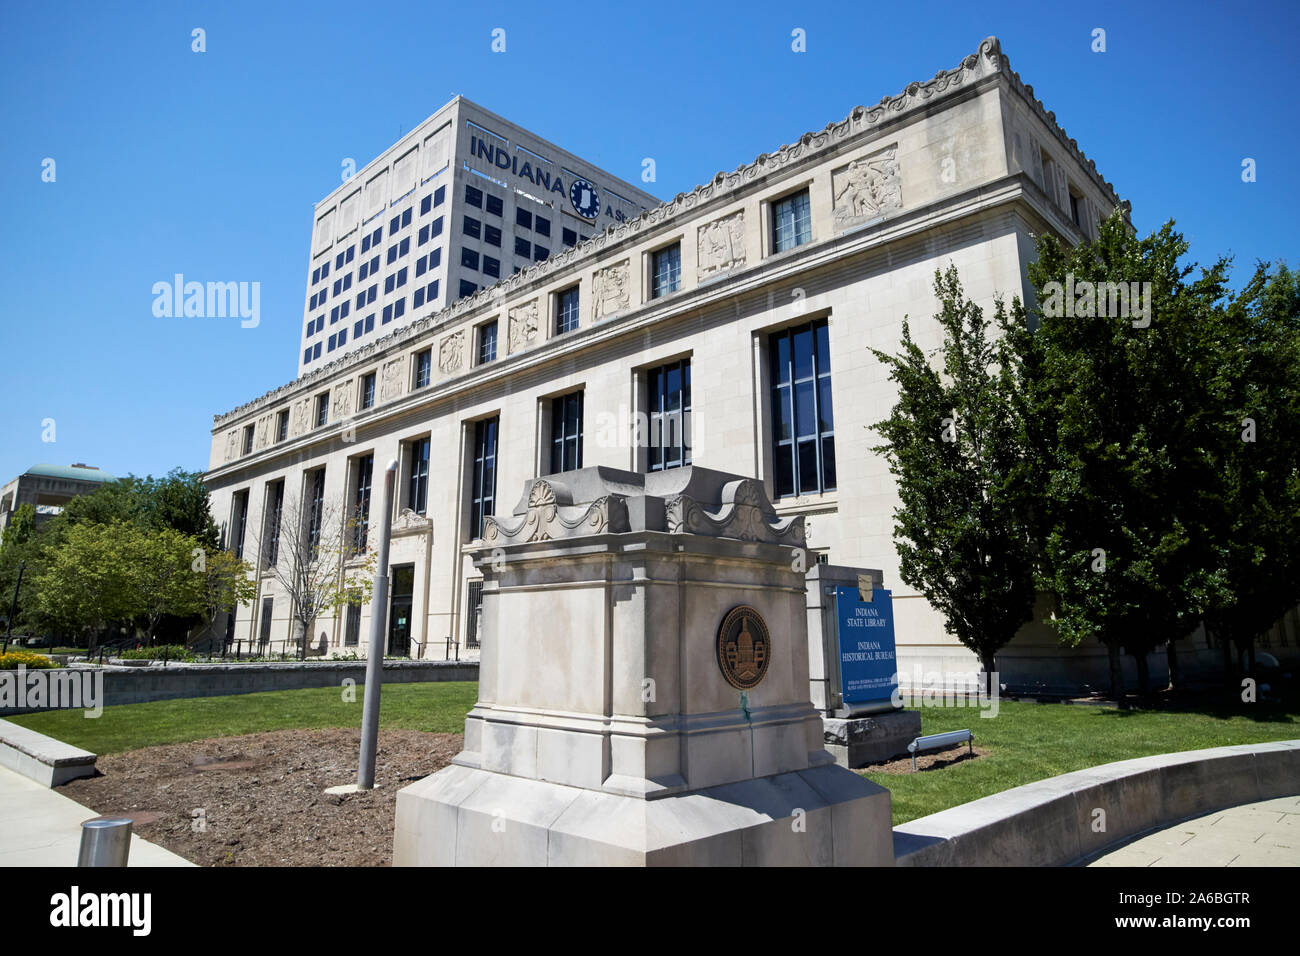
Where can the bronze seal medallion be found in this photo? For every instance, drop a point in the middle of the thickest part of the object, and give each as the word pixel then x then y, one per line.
pixel 744 647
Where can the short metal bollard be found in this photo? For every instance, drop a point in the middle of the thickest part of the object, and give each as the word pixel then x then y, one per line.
pixel 104 843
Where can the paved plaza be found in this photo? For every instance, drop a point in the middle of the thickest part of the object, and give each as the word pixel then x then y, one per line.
pixel 41 827
pixel 1254 834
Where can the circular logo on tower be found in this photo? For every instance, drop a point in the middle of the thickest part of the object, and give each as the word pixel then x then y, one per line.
pixel 744 647
pixel 585 199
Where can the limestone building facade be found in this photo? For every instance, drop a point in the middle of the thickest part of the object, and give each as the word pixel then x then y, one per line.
pixel 729 327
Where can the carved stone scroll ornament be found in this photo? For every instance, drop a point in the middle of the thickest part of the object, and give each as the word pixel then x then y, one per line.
pixel 744 514
pixel 547 518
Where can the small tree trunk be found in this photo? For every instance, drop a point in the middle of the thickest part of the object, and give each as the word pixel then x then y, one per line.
pixel 988 661
pixel 1229 677
pixel 1144 674
pixel 1175 678
pixel 1116 673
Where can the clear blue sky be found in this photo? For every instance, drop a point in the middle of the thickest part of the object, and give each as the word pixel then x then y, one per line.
pixel 209 164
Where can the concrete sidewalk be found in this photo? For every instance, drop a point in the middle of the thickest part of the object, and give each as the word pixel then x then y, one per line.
pixel 41 827
pixel 1255 834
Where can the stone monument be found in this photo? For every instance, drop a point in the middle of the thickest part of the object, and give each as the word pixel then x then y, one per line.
pixel 643 692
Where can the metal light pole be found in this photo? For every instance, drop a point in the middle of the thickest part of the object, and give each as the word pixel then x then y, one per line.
pixel 13 607
pixel 375 657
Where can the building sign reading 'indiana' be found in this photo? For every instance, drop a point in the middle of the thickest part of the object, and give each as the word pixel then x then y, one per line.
pixel 583 195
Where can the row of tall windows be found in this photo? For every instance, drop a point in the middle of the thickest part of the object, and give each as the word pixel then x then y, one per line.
pixel 802 439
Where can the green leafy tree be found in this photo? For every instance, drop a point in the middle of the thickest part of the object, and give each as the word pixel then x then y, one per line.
pixel 86 583
pixel 953 444
pixel 1116 416
pixel 227 582
pixel 164 572
pixel 1250 357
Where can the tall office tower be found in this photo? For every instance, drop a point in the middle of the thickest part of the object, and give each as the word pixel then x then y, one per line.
pixel 464 199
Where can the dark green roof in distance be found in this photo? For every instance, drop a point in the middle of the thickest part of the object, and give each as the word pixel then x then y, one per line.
pixel 71 472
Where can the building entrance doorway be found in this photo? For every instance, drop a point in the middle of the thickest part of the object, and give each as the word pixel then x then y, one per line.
pixel 399 609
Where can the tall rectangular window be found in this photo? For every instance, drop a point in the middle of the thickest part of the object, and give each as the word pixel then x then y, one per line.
pixel 417 491
pixel 248 439
pixel 666 271
pixel 483 488
pixel 566 312
pixel 264 629
pixel 352 633
pixel 668 397
pixel 487 342
pixel 367 391
pixel 316 511
pixel 566 433
pixel 803 422
pixel 791 222
pixel 282 425
pixel 322 409
pixel 271 531
pixel 423 367
pixel 365 473
pixel 239 521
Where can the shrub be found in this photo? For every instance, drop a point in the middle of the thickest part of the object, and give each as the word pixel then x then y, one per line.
pixel 172 652
pixel 10 660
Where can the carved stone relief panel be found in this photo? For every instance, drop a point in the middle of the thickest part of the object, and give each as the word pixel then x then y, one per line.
pixel 341 400
pixel 391 379
pixel 523 326
pixel 867 188
pixel 611 290
pixel 301 420
pixel 451 352
pixel 722 244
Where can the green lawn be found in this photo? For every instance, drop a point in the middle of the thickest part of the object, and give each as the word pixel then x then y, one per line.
pixel 1030 741
pixel 1027 741
pixel 433 707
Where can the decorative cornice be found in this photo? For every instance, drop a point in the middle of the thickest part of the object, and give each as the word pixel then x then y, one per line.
pixel 986 61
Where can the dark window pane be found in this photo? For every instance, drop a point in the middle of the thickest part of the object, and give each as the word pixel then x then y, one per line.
pixel 803 366
pixel 824 411
pixel 784 478
pixel 807 467
pixel 803 403
pixel 781 416
pixel 828 463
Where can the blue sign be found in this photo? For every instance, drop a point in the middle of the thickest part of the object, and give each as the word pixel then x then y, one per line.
pixel 868 664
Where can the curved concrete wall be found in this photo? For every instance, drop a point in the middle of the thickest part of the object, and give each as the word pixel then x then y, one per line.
pixel 1054 822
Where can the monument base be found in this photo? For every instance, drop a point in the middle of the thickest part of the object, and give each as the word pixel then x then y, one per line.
pixel 875 738
pixel 464 816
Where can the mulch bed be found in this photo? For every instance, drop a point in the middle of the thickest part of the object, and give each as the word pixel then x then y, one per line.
pixel 930 761
pixel 262 795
